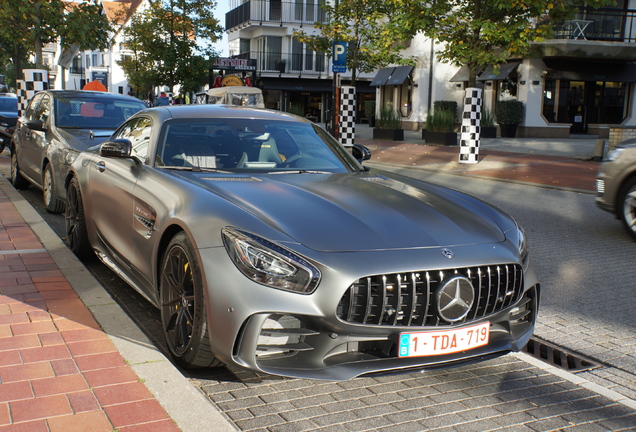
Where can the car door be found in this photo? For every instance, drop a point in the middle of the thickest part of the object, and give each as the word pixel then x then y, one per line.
pixel 112 181
pixel 33 142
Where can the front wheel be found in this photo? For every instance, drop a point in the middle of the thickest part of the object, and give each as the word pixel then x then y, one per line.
pixel 627 203
pixel 49 192
pixel 183 308
pixel 16 178
pixel 75 223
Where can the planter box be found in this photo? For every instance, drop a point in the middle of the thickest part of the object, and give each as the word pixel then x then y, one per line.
pixel 389 134
pixel 441 138
pixel 508 130
pixel 489 132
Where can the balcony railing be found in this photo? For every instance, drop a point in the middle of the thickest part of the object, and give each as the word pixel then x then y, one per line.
pixel 279 12
pixel 299 64
pixel 604 24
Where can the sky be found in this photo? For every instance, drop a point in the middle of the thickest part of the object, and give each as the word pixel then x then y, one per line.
pixel 222 8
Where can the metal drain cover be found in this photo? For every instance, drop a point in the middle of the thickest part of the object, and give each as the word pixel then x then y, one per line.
pixel 559 357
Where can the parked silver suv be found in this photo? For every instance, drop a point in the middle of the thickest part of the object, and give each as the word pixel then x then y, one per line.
pixel 57 125
pixel 616 184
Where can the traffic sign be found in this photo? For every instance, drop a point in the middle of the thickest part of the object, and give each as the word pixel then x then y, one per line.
pixel 339 57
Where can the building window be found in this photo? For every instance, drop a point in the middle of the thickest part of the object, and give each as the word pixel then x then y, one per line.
pixel 297 55
pixel 583 102
pixel 270 48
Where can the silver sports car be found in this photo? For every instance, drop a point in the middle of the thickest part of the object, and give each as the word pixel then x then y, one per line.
pixel 267 245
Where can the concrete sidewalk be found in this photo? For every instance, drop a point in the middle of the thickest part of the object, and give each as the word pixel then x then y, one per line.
pixel 70 358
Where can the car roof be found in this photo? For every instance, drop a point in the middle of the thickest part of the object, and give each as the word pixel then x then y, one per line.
pixel 225 111
pixel 11 95
pixel 91 93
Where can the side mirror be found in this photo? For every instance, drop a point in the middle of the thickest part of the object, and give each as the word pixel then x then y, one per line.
pixel 119 148
pixel 360 152
pixel 35 124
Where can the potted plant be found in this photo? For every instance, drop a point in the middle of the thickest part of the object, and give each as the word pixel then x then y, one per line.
pixel 509 113
pixel 388 125
pixel 488 128
pixel 369 112
pixel 443 105
pixel 281 65
pixel 440 128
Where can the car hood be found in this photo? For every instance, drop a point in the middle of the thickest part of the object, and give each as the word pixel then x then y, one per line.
pixel 356 212
pixel 83 139
pixel 9 114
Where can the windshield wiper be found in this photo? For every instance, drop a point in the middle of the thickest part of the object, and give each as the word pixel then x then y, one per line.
pixel 194 169
pixel 300 171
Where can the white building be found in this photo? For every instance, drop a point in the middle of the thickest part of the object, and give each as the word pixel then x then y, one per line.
pixel 582 81
pixel 73 69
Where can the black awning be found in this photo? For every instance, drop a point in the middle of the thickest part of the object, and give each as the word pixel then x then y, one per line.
pixel 399 75
pixel 461 75
pixel 576 70
pixel 505 69
pixel 382 76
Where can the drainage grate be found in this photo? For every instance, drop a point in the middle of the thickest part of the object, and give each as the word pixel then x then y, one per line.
pixel 557 356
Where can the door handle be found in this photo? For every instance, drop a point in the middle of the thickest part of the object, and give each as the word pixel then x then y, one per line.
pixel 101 166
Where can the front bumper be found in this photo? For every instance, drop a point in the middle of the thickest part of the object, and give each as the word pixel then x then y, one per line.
pixel 294 335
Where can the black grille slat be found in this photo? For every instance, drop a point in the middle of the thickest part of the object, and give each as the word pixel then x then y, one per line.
pixel 408 299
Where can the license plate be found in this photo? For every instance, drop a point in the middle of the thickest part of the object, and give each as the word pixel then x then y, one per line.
pixel 430 343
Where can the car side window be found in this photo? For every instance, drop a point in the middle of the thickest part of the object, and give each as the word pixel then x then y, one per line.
pixel 137 131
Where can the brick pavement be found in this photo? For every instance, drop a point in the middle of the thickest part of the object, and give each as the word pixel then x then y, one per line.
pixel 58 370
pixel 553 171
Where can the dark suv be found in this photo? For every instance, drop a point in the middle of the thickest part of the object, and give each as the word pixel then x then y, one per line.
pixel 57 125
pixel 616 184
pixel 8 117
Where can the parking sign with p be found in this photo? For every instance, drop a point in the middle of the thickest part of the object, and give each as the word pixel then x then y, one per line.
pixel 339 57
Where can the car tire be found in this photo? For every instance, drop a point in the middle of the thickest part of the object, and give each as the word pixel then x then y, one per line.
pixel 627 206
pixel 183 306
pixel 16 178
pixel 75 223
pixel 49 192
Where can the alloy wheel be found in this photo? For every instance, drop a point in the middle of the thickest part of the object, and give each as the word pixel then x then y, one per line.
pixel 178 300
pixel 47 187
pixel 629 210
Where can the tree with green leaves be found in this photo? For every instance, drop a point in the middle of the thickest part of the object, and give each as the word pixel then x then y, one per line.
pixel 170 43
pixel 27 25
pixel 360 23
pixel 479 33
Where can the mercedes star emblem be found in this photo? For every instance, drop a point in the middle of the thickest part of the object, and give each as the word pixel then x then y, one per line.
pixel 455 298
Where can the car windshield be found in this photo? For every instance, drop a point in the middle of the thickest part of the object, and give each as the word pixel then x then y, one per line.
pixel 8 104
pixel 240 145
pixel 94 112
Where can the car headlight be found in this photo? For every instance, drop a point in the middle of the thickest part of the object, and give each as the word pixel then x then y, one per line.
pixel 269 264
pixel 614 154
pixel 522 244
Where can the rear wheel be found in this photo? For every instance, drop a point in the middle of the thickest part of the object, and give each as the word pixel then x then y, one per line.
pixel 183 308
pixel 627 203
pixel 17 180
pixel 49 192
pixel 75 223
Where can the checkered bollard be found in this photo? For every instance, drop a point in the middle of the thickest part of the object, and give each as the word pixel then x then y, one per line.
pixel 35 80
pixel 347 115
pixel 471 127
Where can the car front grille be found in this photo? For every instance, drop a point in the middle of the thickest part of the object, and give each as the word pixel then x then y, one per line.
pixel 409 299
